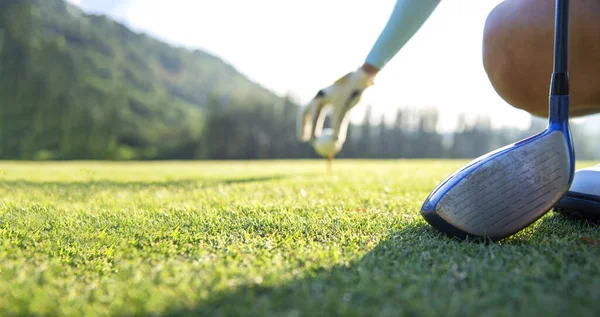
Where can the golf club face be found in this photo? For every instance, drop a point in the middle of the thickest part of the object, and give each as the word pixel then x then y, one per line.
pixel 502 192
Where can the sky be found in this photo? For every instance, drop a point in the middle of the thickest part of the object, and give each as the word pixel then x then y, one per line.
pixel 299 47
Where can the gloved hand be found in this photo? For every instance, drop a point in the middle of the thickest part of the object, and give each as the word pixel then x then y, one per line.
pixel 341 96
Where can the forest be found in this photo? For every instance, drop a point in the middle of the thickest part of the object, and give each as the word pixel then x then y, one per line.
pixel 79 86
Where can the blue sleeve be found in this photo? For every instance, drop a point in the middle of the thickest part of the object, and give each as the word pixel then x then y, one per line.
pixel 406 19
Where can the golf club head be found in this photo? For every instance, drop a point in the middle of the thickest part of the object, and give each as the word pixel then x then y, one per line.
pixel 502 192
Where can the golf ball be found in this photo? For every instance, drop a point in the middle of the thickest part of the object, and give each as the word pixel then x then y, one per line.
pixel 325 146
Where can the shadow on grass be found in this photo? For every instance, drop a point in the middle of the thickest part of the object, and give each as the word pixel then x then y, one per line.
pixel 579 218
pixel 363 287
pixel 415 271
pixel 559 226
pixel 198 183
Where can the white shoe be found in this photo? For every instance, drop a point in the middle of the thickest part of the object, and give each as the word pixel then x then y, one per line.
pixel 583 198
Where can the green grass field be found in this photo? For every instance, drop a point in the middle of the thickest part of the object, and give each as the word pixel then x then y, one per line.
pixel 271 239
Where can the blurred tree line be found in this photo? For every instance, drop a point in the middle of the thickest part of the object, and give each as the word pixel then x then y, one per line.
pixel 268 132
pixel 77 86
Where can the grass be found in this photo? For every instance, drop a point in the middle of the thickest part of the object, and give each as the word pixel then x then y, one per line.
pixel 270 238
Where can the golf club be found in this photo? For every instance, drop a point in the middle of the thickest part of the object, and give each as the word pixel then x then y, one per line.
pixel 504 191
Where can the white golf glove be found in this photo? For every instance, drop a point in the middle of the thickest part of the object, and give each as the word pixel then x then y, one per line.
pixel 341 96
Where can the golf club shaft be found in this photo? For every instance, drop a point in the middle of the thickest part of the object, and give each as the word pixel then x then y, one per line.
pixel 560 76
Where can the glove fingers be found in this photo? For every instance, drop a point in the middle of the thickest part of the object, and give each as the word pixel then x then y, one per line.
pixel 340 127
pixel 310 119
pixel 303 124
pixel 318 116
pixel 341 116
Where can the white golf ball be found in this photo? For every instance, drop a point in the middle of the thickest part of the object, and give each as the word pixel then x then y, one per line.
pixel 325 146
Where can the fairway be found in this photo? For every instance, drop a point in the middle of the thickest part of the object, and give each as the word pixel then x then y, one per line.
pixel 271 238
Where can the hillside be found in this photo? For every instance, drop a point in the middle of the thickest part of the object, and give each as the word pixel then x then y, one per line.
pixel 84 86
pixel 143 64
pixel 80 86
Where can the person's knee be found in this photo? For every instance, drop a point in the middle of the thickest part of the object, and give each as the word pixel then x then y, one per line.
pixel 518 42
pixel 517 67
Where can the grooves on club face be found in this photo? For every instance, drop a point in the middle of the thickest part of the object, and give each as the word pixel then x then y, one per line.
pixel 498 194
pixel 502 192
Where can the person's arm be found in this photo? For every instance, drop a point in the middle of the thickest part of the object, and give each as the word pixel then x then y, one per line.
pixel 406 19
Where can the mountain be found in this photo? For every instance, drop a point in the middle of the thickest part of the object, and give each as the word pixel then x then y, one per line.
pixel 81 85
pixel 144 64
